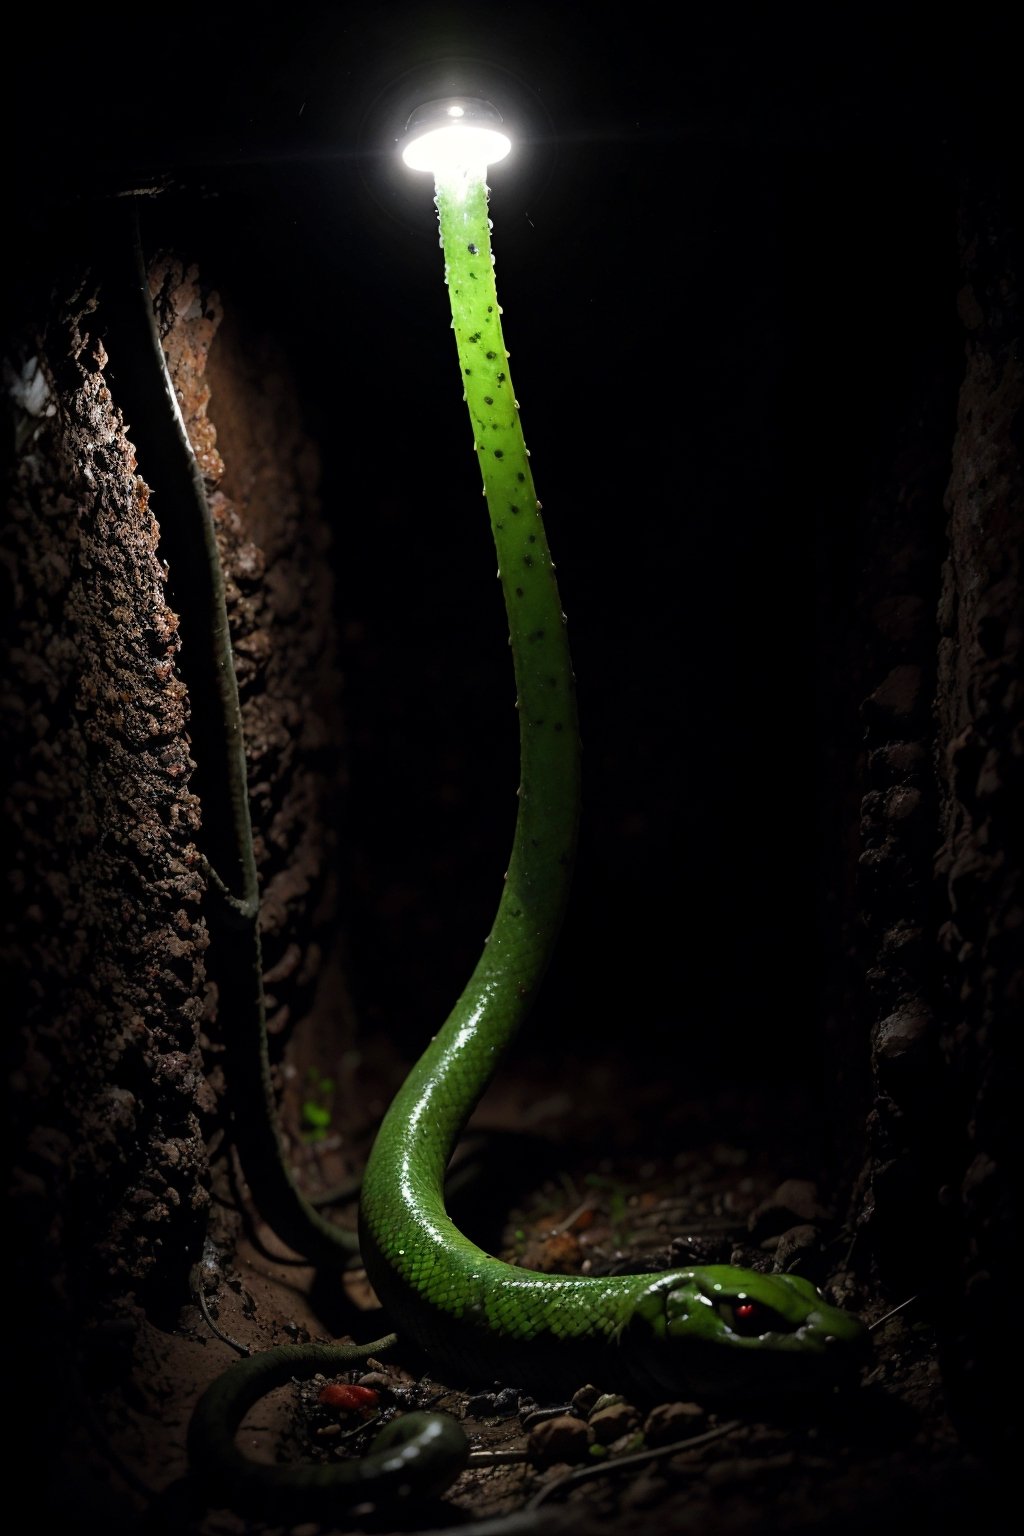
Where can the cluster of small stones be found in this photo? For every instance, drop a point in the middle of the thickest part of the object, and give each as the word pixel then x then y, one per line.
pixel 599 1424
pixel 103 941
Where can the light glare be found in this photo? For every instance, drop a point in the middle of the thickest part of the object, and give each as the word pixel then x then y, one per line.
pixel 454 135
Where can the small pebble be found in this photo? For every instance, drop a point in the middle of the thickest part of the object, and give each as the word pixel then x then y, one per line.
pixel 609 1424
pixel 564 1439
pixel 794 1201
pixel 797 1251
pixel 669 1422
pixel 586 1398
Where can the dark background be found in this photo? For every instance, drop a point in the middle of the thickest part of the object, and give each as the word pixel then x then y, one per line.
pixel 727 255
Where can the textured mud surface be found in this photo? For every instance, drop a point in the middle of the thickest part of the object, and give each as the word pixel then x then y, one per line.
pixel 116 1038
pixel 104 940
pixel 885 1455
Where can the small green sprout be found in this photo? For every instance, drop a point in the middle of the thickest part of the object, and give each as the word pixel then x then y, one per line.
pixel 317 1106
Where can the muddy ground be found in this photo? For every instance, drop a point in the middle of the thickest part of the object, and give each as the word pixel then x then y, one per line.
pixel 586 1184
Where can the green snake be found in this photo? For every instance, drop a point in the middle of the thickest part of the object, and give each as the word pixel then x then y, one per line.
pixel 713 1332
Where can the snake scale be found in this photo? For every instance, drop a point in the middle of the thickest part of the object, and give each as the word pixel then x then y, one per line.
pixel 716 1331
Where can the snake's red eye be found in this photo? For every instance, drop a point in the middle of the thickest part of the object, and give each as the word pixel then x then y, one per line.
pixel 750 1319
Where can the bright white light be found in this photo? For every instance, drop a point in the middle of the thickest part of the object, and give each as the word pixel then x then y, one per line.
pixel 448 149
pixel 454 134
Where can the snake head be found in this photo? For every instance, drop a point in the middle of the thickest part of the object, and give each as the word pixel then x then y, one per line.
pixel 719 1332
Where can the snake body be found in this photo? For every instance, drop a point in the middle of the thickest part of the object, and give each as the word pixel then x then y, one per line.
pixel 714 1331
pixel 473 1312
